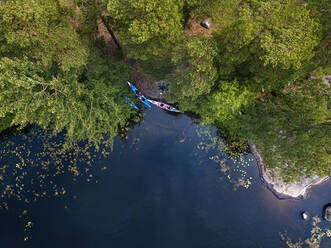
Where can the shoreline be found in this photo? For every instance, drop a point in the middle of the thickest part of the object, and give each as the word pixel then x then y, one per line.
pixel 271 182
pixel 282 191
pixel 261 168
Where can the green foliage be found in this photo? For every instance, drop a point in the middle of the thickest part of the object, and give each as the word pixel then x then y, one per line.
pixel 38 30
pixel 271 46
pixel 292 130
pixel 225 102
pixel 277 34
pixel 236 41
pixel 158 68
pixel 52 74
pixel 221 12
pixel 86 109
pixel 223 108
pixel 147 27
pixel 194 72
pixel 289 34
pixel 5 122
pixel 88 18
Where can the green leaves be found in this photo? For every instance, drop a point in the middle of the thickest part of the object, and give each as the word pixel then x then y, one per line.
pixel 36 29
pixel 292 131
pixel 237 42
pixel 225 103
pixel 147 27
pixel 194 72
pixel 289 35
pixel 52 77
pixel 87 110
pixel 52 74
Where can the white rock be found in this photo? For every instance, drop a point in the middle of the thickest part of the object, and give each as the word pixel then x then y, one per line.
pixel 326 80
pixel 278 186
pixel 205 24
pixel 304 215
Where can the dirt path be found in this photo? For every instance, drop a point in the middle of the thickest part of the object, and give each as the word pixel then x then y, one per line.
pixel 144 82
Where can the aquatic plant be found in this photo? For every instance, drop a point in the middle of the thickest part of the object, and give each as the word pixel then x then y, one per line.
pixel 233 165
pixel 317 234
pixel 31 168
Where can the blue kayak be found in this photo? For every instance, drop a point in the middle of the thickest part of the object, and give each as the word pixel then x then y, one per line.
pixel 127 100
pixel 139 95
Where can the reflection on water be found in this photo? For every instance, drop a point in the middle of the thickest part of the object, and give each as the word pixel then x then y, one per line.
pixel 158 189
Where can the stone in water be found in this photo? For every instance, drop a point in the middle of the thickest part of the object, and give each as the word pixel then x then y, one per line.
pixel 327 212
pixel 304 215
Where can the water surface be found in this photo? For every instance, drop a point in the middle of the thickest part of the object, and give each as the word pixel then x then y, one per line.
pixel 160 191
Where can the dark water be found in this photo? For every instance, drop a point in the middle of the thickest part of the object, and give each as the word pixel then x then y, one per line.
pixel 161 191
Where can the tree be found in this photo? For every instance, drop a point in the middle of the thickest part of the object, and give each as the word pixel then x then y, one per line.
pixel 225 102
pixel 237 42
pixel 292 130
pixel 53 77
pixel 5 122
pixel 195 72
pixel 38 30
pixel 269 46
pixel 289 34
pixel 88 107
pixel 147 27
pixel 281 34
pixel 223 108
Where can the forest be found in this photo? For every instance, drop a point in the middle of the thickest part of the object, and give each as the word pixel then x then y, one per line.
pixel 256 73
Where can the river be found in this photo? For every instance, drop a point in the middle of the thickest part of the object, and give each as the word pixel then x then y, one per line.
pixel 157 189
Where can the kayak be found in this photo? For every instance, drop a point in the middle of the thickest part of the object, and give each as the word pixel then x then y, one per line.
pixel 127 100
pixel 164 106
pixel 139 95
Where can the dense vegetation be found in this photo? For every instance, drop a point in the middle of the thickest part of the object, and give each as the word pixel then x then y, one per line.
pixel 52 73
pixel 256 74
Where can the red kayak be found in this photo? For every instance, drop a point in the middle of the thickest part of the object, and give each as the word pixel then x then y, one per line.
pixel 164 106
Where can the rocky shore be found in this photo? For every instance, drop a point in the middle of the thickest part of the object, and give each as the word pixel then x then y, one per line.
pixel 281 189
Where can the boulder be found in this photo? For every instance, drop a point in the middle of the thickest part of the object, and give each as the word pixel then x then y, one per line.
pixel 205 24
pixel 304 215
pixel 327 80
pixel 327 212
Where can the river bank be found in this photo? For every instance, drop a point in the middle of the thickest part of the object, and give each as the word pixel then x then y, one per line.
pixel 271 179
pixel 178 200
pixel 279 188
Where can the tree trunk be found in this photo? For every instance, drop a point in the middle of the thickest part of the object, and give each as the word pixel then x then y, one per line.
pixel 111 32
